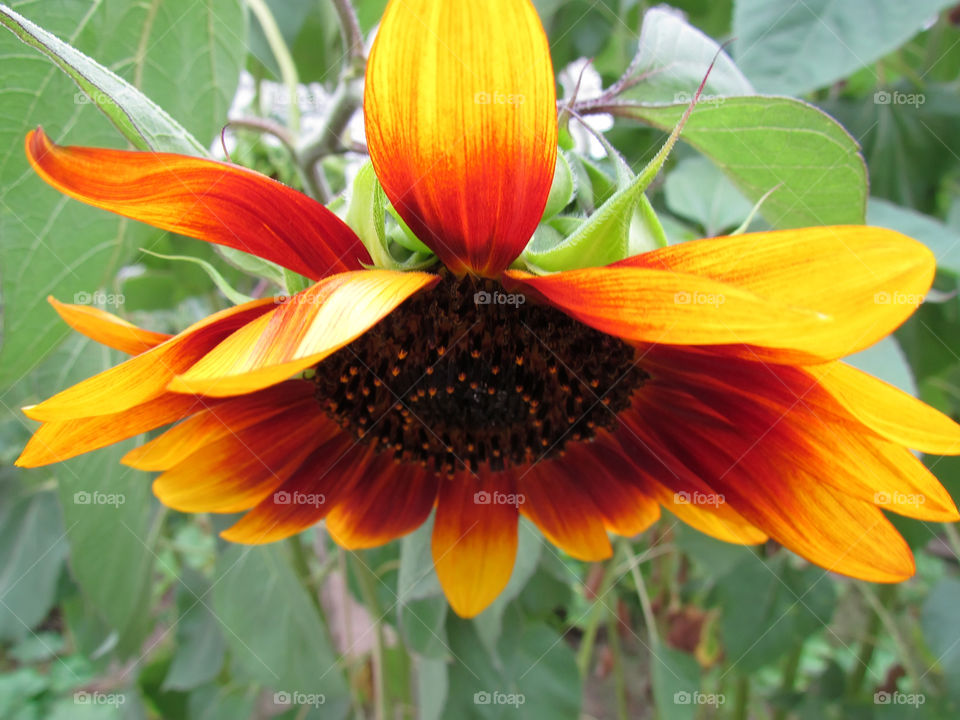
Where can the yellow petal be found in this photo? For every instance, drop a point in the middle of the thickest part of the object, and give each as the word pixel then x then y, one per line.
pixel 461 122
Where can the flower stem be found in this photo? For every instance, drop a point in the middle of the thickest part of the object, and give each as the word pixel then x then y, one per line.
pixel 619 679
pixel 281 53
pixel 648 617
pixel 350 29
pixel 366 579
pixel 890 625
pixel 596 613
pixel 302 568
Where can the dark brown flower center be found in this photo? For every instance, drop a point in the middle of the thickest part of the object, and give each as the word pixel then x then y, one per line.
pixel 466 373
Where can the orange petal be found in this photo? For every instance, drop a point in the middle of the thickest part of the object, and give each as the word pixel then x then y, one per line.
pixel 461 122
pixel 562 509
pixel 658 306
pixel 108 329
pixel 889 411
pixel 867 279
pixel 226 417
pixel 306 496
pixel 474 540
pixel 237 471
pixel 203 199
pixel 389 501
pixel 59 440
pixel 301 332
pixel 145 377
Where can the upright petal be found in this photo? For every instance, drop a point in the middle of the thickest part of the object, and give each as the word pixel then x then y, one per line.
pixel 461 124
pixel 203 199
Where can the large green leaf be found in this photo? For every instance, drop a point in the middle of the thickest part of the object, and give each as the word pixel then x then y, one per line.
pixel 52 245
pixel 273 629
pixel 765 142
pixel 673 57
pixel 32 548
pixel 696 190
pixel 792 47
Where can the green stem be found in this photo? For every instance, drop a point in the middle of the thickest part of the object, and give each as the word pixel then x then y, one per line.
pixel 741 703
pixel 619 679
pixel 953 538
pixel 288 69
pixel 302 568
pixel 350 30
pixel 789 678
pixel 648 617
pixel 891 626
pixel 868 645
pixel 595 615
pixel 368 591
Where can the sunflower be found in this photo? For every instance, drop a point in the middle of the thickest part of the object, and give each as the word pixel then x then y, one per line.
pixel 703 377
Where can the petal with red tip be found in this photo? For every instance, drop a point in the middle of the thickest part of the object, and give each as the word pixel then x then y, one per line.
pixel 301 332
pixel 391 500
pixel 204 199
pixel 461 122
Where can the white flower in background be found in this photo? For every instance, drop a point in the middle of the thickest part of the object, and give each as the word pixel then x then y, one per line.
pixel 591 86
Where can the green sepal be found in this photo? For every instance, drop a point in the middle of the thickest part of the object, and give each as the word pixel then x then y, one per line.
pixel 562 190
pixel 231 293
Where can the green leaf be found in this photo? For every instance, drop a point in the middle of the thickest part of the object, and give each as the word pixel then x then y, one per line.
pixel 32 549
pixel 417 579
pixel 696 190
pixel 200 645
pixel 109 513
pixel 562 189
pixel 676 684
pixel 272 628
pixel 792 47
pixel 943 240
pixel 142 122
pixel 51 244
pixel 760 142
pixel 673 57
pixel 253 265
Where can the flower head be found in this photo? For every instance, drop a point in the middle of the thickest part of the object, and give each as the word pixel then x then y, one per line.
pixel 704 378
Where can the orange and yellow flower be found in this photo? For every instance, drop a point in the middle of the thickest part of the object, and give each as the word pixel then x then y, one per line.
pixel 703 377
